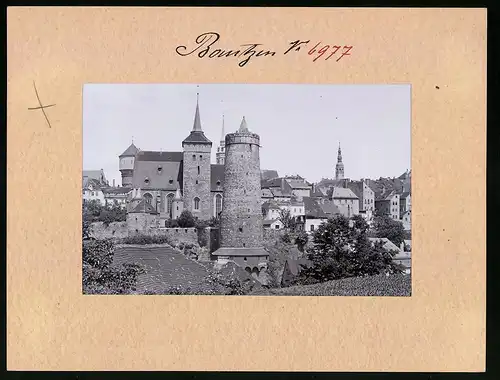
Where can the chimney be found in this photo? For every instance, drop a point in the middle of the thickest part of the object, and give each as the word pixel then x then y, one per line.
pixel 113 182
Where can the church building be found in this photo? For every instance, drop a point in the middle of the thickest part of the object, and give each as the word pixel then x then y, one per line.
pixel 171 182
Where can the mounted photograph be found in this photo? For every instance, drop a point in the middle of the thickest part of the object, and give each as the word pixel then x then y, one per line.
pixel 246 189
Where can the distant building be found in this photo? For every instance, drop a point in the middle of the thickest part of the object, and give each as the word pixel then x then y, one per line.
pixel 387 203
pixel 345 200
pixel 274 224
pixel 317 212
pixel 406 219
pixel 268 174
pixel 97 176
pixel 404 203
pixel 117 195
pixel 299 186
pixel 92 191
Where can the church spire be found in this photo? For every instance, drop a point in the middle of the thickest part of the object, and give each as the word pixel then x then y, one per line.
pixel 223 134
pixel 339 168
pixel 197 119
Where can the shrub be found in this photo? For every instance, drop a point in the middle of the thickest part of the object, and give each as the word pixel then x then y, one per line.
pixel 301 240
pixel 385 227
pixel 342 249
pixel 146 239
pixel 100 277
pixel 186 220
pixel 171 223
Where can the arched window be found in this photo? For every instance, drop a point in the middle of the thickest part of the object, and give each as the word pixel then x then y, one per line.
pixel 198 170
pixel 196 203
pixel 149 198
pixel 218 204
pixel 168 204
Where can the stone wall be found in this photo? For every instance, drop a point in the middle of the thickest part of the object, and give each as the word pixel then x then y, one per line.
pixel 115 230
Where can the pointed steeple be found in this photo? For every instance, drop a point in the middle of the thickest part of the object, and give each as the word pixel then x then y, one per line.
pixel 197 135
pixel 197 119
pixel 223 134
pixel 243 126
pixel 339 155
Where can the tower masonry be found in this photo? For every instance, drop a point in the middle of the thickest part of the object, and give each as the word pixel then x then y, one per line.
pixel 196 171
pixel 126 166
pixel 241 217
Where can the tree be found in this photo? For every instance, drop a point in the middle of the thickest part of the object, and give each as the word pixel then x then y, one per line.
pixel 342 249
pixel 385 227
pixel 186 220
pixel 301 240
pixel 287 219
pixel 100 276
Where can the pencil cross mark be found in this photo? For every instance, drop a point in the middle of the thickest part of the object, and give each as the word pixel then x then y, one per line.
pixel 41 107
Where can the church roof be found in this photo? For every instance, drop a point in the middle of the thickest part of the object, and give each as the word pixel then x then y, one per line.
pixel 130 151
pixel 156 174
pixel 159 156
pixel 216 175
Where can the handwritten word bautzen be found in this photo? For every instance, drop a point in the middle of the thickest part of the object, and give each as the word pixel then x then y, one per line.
pixel 205 46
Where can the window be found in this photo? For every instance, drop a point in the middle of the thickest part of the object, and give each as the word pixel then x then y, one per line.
pixel 194 157
pixel 312 227
pixel 198 170
pixel 168 206
pixel 240 229
pixel 146 181
pixel 245 259
pixel 277 227
pixel 201 156
pixel 159 170
pixel 218 183
pixel 196 202
pixel 171 181
pixel 149 198
pixel 196 181
pixel 218 204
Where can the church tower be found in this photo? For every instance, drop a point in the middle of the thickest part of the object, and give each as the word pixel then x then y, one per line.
pixel 196 170
pixel 241 218
pixel 221 150
pixel 127 159
pixel 339 168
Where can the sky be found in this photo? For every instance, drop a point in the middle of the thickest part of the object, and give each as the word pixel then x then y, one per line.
pixel 300 126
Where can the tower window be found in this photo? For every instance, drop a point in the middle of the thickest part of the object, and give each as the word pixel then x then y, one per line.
pixel 218 183
pixel 198 170
pixel 146 181
pixel 201 156
pixel 240 229
pixel 196 181
pixel 171 181
pixel 194 157
pixel 159 169
pixel 196 202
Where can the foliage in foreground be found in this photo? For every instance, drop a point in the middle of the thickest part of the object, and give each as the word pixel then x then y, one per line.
pixel 140 239
pixel 100 276
pixel 93 211
pixel 367 286
pixel 386 227
pixel 341 249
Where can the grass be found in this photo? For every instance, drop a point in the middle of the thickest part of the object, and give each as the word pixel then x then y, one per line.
pixel 380 285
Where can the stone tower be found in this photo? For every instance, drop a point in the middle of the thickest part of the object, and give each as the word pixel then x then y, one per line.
pixel 339 168
pixel 221 150
pixel 196 170
pixel 127 159
pixel 241 218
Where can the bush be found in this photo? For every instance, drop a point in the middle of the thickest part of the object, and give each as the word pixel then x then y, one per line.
pixel 301 240
pixel 100 277
pixel 385 227
pixel 342 249
pixel 146 239
pixel 186 220
pixel 171 223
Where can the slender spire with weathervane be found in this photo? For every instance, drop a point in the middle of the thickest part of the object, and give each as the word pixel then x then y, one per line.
pixel 339 168
pixel 243 126
pixel 197 119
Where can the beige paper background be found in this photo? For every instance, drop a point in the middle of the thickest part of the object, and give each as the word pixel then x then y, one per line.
pixel 52 326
